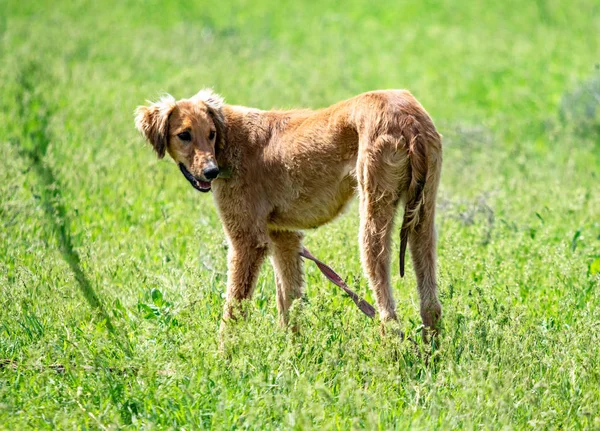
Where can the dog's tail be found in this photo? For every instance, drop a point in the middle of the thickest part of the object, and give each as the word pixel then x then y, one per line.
pixel 418 164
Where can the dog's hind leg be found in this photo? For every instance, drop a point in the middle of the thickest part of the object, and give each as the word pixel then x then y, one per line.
pixel 422 242
pixel 379 175
pixel 289 276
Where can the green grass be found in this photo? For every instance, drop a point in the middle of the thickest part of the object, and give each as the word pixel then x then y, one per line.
pixel 112 269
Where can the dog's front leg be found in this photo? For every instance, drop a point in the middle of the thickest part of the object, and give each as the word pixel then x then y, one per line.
pixel 244 260
pixel 289 276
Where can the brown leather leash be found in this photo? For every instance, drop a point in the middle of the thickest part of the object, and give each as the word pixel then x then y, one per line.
pixel 333 276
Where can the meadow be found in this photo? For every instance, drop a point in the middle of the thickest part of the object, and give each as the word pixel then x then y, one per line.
pixel 113 269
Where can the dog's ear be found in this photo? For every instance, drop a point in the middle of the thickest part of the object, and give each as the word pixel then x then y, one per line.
pixel 153 122
pixel 214 103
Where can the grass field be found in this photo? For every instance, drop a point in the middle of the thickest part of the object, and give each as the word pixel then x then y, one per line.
pixel 112 268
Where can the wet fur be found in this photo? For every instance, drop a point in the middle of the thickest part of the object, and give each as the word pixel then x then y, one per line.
pixel 296 170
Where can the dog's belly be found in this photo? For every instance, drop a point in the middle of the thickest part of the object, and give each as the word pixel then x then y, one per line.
pixel 314 207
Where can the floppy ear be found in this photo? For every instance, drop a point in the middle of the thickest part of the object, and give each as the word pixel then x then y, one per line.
pixel 214 104
pixel 153 122
pixel 219 120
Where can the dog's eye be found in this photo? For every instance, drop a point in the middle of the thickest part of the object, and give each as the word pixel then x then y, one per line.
pixel 211 135
pixel 185 136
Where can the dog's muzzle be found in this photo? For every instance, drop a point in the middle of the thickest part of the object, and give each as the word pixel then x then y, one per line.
pixel 201 186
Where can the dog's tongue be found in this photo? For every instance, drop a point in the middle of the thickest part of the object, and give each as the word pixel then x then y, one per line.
pixel 204 184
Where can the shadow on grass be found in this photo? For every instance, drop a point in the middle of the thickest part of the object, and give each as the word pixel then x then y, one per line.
pixel 33 113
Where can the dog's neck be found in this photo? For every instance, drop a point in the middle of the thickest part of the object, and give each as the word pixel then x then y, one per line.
pixel 241 124
pixel 228 155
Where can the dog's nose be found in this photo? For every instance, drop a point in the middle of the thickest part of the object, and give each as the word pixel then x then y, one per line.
pixel 211 173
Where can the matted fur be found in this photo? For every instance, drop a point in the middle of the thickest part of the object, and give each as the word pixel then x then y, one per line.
pixel 296 170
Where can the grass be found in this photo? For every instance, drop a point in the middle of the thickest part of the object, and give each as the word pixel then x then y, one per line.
pixel 112 269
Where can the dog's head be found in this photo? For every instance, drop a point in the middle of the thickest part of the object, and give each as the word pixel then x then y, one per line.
pixel 190 130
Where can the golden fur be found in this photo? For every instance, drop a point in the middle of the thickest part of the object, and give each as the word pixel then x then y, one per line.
pixel 296 170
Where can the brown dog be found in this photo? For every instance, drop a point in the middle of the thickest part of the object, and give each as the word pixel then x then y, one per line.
pixel 295 170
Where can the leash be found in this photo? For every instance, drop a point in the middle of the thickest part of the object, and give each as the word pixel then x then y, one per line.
pixel 332 276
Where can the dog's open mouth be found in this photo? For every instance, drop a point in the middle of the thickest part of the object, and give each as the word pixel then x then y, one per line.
pixel 202 186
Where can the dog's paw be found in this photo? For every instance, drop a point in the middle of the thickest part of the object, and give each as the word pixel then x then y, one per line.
pixel 228 337
pixel 391 328
pixel 293 320
pixel 431 314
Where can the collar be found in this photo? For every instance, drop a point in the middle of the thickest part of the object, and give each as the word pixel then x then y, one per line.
pixel 225 172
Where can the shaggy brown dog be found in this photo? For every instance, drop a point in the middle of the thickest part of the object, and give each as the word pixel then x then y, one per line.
pixel 295 170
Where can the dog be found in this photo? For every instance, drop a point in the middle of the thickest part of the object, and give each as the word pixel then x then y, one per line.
pixel 274 174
